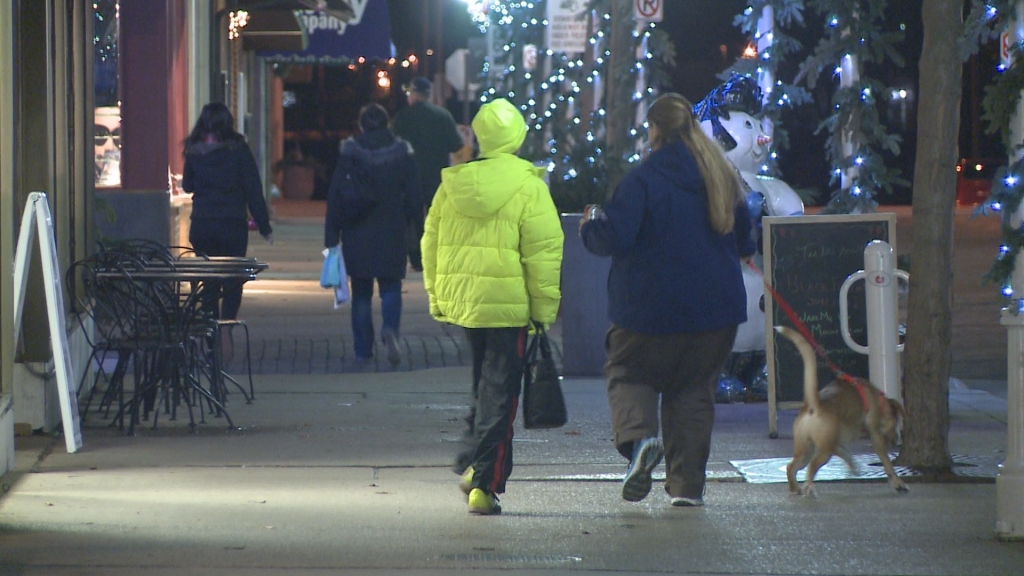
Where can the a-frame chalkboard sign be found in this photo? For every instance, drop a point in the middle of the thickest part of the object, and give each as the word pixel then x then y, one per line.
pixel 806 261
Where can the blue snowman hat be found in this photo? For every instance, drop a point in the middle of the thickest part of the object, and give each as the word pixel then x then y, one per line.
pixel 738 94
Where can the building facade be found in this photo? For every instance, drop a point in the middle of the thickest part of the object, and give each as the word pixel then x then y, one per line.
pixel 49 136
pixel 102 138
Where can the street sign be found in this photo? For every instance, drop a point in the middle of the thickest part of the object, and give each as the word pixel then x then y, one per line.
pixel 648 10
pixel 455 68
pixel 1005 44
pixel 567 26
pixel 460 72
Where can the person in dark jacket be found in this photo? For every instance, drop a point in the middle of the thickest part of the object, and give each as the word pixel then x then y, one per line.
pixel 222 176
pixel 676 229
pixel 432 132
pixel 376 175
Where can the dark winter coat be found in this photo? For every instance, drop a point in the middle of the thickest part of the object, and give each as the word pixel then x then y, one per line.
pixel 383 170
pixel 224 181
pixel 671 272
pixel 433 134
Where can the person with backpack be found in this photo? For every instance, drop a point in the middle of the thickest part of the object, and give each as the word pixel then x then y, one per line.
pixel 374 196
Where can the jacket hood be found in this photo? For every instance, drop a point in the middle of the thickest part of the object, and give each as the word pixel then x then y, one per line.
pixel 375 148
pixel 480 188
pixel 675 162
pixel 499 128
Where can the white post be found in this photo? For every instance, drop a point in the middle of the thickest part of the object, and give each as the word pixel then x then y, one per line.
pixel 880 280
pixel 641 79
pixel 243 103
pixel 1010 481
pixel 883 334
pixel 848 76
pixel 197 15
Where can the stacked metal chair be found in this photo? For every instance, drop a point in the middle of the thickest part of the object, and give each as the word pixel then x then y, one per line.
pixel 153 320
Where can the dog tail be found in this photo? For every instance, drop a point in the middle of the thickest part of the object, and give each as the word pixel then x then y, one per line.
pixel 810 364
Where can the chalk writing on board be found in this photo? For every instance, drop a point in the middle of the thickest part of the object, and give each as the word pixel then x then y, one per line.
pixel 810 257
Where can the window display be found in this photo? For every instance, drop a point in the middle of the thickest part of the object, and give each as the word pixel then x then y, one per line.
pixel 107 123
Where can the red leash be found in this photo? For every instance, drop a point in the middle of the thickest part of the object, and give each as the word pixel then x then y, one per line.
pixel 806 333
pixel 802 328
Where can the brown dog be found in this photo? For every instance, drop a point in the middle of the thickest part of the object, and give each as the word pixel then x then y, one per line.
pixel 839 414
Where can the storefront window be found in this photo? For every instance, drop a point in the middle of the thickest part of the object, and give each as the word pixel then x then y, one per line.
pixel 107 128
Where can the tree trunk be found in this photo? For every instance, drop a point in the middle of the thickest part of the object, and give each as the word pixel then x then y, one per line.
pixel 929 322
pixel 618 97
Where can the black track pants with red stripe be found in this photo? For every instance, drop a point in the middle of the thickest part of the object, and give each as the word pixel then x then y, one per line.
pixel 497 380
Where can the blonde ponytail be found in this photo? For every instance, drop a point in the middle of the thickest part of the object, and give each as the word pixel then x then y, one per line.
pixel 673 116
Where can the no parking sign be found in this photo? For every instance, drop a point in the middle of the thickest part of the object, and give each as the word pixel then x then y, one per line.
pixel 1005 43
pixel 648 10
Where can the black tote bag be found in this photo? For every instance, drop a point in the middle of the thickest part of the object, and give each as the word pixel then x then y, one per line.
pixel 543 401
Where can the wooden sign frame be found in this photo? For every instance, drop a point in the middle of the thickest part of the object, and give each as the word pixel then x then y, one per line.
pixel 770 223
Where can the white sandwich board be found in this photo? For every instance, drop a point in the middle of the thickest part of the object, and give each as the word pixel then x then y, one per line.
pixel 38 210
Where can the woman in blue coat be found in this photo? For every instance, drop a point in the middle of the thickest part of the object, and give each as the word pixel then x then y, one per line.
pixel 373 200
pixel 675 229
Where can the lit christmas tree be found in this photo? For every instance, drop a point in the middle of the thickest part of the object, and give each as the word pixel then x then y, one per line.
pixel 1001 103
pixel 765 21
pixel 562 95
pixel 855 35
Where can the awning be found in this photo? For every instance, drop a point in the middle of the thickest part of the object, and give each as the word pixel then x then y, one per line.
pixel 273 30
pixel 340 9
pixel 334 41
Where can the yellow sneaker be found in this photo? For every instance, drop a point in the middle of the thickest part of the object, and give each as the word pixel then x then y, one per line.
pixel 466 481
pixel 483 503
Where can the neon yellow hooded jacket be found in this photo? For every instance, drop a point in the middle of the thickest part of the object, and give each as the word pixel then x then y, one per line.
pixel 492 242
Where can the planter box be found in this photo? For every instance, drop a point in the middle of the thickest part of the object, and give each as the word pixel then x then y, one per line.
pixel 584 310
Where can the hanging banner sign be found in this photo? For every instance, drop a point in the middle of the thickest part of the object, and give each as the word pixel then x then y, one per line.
pixel 648 10
pixel 567 26
pixel 333 41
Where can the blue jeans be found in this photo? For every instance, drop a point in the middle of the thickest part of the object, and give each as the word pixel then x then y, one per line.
pixel 362 311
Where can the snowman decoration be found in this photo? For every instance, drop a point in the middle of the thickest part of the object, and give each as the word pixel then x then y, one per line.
pixel 729 115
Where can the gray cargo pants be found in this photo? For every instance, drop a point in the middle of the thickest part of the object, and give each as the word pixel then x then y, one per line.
pixel 680 369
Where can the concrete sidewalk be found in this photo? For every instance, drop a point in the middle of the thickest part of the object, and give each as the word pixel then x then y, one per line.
pixel 335 472
pixel 349 474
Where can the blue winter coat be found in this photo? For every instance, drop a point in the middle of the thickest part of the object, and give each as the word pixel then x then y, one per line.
pixel 671 272
pixel 383 166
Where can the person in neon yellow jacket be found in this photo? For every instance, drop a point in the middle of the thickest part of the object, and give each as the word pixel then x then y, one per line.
pixel 492 258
